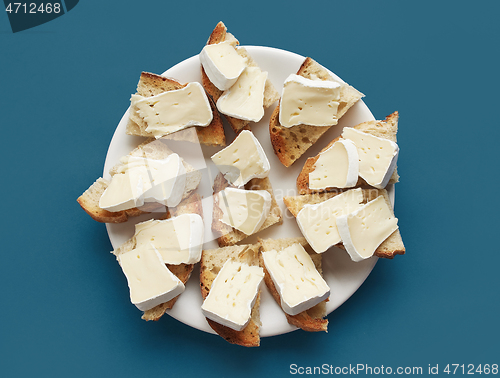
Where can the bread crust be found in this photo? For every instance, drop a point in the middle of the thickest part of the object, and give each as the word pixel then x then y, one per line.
pixel 88 203
pixel 247 337
pixel 384 129
pixel 227 235
pixel 311 320
pixel 218 34
pixel 290 143
pixel 150 85
pixel 389 248
pixel 210 265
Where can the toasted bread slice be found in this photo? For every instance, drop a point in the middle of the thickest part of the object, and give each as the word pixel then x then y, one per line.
pixel 386 129
pixel 211 262
pixel 290 143
pixel 89 201
pixel 311 320
pixel 152 85
pixel 191 205
pixel 271 95
pixel 227 235
pixel 151 149
pixel 389 248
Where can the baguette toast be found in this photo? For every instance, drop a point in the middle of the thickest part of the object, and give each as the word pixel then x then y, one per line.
pixel 389 248
pixel 152 85
pixel 271 95
pixel 290 143
pixel 311 320
pixel 151 149
pixel 386 129
pixel 191 205
pixel 211 262
pixel 227 235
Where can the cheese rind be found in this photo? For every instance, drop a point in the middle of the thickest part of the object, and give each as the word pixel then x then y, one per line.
pixel 363 230
pixel 233 294
pixel 296 278
pixel 245 210
pixel 377 156
pixel 337 167
pixel 243 160
pixel 174 110
pixel 245 99
pixel 309 102
pixel 318 222
pixel 222 64
pixel 178 240
pixel 150 281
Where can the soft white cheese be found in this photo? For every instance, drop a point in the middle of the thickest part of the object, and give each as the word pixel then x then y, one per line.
pixel 174 110
pixel 365 229
pixel 149 280
pixel 336 167
pixel 168 180
pixel 222 64
pixel 140 180
pixel 245 210
pixel 377 156
pixel 296 278
pixel 318 222
pixel 125 190
pixel 243 160
pixel 233 294
pixel 179 240
pixel 309 102
pixel 245 99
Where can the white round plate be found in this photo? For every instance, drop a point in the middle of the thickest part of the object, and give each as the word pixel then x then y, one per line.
pixel 342 275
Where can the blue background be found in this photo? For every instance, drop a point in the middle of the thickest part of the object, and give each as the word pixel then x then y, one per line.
pixel 437 62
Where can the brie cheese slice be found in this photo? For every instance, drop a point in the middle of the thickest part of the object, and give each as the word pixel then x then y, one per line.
pixel 139 180
pixel 233 294
pixel 363 230
pixel 243 160
pixel 150 282
pixel 296 278
pixel 222 64
pixel 245 210
pixel 178 240
pixel 168 180
pixel 377 156
pixel 309 102
pixel 174 110
pixel 245 99
pixel 125 190
pixel 337 167
pixel 318 222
